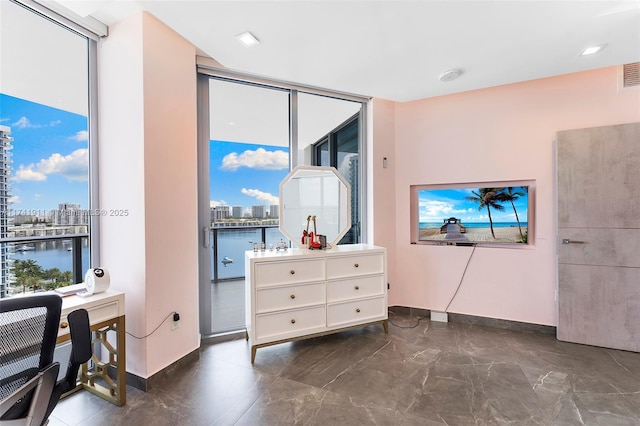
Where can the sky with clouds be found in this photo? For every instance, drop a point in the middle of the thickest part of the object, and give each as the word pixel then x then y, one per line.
pixel 245 174
pixel 50 155
pixel 436 205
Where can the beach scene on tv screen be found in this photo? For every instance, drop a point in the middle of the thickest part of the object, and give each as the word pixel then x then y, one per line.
pixel 474 215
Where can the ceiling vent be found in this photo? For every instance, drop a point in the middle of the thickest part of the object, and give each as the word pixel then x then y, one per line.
pixel 631 75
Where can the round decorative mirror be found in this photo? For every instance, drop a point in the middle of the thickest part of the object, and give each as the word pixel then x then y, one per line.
pixel 310 192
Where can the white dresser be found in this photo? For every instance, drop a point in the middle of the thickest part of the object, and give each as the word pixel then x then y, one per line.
pixel 300 293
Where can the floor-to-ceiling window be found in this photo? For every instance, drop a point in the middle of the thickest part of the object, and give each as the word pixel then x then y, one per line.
pixel 340 148
pixel 46 78
pixel 255 131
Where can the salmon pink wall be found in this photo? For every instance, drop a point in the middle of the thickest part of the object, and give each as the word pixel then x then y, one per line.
pixel 148 164
pixel 500 133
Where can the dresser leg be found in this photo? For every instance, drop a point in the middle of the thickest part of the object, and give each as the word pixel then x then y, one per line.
pixel 385 325
pixel 246 335
pixel 253 353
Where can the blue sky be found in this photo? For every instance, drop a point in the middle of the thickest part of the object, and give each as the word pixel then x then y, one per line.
pixel 49 155
pixel 246 174
pixel 50 161
pixel 435 205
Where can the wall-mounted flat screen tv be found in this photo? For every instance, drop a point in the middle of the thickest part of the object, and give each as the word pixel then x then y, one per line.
pixel 486 213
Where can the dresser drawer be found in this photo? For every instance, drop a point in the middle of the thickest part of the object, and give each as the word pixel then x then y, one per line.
pixel 357 311
pixel 288 297
pixel 357 287
pixel 293 323
pixel 347 266
pixel 276 273
pixel 97 314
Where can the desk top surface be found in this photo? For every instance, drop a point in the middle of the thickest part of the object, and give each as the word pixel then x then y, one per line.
pixel 69 303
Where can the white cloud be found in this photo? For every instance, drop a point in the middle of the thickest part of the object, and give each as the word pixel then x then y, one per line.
pixel 73 166
pixel 24 123
pixel 28 173
pixel 216 203
pixel 436 211
pixel 261 196
pixel 4 120
pixel 81 136
pixel 258 159
pixel 14 199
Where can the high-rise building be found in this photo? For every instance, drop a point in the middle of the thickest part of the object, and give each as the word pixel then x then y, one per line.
pixel 274 210
pixel 5 169
pixel 237 212
pixel 351 171
pixel 70 214
pixel 257 212
pixel 219 213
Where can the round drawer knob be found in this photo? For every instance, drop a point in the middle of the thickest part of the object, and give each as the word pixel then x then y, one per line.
pixel 293 321
pixel 293 296
pixel 356 265
pixel 358 310
pixel 292 272
pixel 357 287
pixel 64 324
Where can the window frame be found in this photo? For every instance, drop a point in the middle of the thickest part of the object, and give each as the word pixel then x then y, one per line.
pixel 91 31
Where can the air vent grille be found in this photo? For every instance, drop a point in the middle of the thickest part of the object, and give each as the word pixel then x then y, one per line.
pixel 631 75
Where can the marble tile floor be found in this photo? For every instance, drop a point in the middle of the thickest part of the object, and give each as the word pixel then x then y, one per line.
pixel 421 373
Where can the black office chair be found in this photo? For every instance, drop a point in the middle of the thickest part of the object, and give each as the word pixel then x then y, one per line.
pixel 28 332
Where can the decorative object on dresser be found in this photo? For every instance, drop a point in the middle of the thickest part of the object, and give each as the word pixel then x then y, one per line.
pixel 318 194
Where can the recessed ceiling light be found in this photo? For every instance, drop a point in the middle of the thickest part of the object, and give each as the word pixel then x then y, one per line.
pixel 248 39
pixel 592 50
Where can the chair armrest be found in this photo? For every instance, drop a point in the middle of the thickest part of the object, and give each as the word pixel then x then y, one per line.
pixel 42 385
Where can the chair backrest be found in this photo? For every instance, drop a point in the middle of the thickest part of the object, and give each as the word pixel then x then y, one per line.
pixel 28 333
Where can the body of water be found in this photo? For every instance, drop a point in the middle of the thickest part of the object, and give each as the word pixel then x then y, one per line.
pixel 52 257
pixel 233 243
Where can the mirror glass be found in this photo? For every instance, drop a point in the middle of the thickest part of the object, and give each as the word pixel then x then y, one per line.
pixel 314 191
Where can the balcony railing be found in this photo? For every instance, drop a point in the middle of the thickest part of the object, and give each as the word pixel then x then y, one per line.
pixel 24 243
pixel 229 242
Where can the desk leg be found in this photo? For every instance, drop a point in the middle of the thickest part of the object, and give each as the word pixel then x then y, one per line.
pixel 113 390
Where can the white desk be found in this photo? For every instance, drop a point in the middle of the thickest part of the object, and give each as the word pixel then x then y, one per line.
pixel 106 313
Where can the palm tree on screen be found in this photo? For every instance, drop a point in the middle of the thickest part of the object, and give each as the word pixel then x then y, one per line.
pixel 508 194
pixel 489 198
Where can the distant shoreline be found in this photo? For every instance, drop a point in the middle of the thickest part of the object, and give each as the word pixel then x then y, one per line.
pixel 503 234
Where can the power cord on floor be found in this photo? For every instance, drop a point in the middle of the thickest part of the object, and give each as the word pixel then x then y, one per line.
pixel 154 330
pixel 407 326
pixel 450 301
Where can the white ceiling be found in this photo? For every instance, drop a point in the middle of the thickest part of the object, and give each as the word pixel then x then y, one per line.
pixel 397 49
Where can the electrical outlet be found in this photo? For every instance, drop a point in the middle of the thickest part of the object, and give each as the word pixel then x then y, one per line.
pixel 175 322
